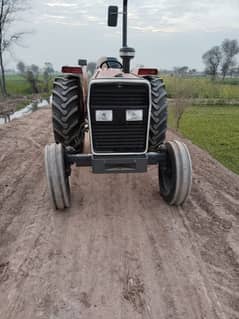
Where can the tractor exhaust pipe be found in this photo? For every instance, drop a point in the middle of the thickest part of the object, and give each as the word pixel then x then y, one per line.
pixel 125 23
pixel 126 53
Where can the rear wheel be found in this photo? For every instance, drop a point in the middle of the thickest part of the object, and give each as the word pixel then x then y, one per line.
pixel 57 177
pixel 175 178
pixel 159 114
pixel 68 112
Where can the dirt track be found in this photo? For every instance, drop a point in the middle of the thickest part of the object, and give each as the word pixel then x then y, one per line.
pixel 120 251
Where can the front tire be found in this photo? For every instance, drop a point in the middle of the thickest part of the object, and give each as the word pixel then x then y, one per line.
pixel 57 177
pixel 175 178
pixel 68 112
pixel 159 114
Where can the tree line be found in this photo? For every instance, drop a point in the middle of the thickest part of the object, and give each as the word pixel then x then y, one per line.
pixel 222 59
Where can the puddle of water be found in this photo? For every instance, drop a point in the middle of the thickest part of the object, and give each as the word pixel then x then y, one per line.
pixel 27 110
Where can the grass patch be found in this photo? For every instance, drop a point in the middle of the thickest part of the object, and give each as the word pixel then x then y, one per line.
pixel 23 104
pixel 214 128
pixel 16 85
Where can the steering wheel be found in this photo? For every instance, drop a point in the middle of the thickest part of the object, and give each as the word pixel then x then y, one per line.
pixel 109 65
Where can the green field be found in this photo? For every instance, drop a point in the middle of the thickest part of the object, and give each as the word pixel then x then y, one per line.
pixel 215 129
pixel 17 85
pixel 191 87
pixel 202 88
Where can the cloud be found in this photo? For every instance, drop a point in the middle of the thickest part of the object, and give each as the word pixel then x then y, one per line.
pixel 185 16
pixel 51 16
pixel 61 4
pixel 164 32
pixel 155 16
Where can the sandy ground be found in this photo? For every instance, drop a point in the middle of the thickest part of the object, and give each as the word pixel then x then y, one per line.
pixel 120 251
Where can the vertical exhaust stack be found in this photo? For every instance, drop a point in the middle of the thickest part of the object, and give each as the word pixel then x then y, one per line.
pixel 126 53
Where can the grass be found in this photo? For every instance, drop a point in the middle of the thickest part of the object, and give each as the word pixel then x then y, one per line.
pixel 202 87
pixel 17 85
pixel 23 104
pixel 215 129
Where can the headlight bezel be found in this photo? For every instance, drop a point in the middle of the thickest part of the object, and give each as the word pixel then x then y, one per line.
pixel 134 115
pixel 104 115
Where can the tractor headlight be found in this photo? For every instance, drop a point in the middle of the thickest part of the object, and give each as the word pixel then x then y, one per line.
pixel 134 115
pixel 104 115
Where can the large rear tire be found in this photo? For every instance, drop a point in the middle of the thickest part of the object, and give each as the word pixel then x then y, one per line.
pixel 175 179
pixel 57 178
pixel 159 114
pixel 68 112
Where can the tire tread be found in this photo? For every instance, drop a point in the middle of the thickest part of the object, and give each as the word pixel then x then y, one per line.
pixel 159 114
pixel 67 112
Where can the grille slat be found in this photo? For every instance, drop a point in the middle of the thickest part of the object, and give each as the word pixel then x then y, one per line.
pixel 119 136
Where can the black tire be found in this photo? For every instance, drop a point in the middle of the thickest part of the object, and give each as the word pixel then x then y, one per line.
pixel 57 178
pixel 159 114
pixel 175 180
pixel 68 112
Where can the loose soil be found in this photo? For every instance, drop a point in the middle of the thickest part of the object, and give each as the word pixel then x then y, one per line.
pixel 120 251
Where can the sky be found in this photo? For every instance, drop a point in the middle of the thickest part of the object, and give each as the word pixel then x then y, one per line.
pixel 165 33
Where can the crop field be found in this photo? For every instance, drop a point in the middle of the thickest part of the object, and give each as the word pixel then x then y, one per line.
pixel 215 129
pixel 17 85
pixel 193 87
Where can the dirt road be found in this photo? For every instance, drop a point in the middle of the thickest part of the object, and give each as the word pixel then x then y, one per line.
pixel 120 251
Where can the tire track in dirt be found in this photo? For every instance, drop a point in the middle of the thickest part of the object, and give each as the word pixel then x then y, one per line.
pixel 214 222
pixel 120 251
pixel 23 164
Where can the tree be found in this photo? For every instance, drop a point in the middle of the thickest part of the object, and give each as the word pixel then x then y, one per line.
pixel 48 71
pixel 181 71
pixel 31 74
pixel 230 48
pixel 192 71
pixel 182 99
pixel 212 60
pixel 8 12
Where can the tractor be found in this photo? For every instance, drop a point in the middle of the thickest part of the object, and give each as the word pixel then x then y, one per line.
pixel 124 112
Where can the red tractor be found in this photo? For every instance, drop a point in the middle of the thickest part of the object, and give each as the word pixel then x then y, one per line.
pixel 125 113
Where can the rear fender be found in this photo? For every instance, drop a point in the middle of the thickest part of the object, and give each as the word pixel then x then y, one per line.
pixel 142 72
pixel 80 73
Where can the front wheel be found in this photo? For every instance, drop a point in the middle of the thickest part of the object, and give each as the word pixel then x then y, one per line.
pixel 57 177
pixel 175 178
